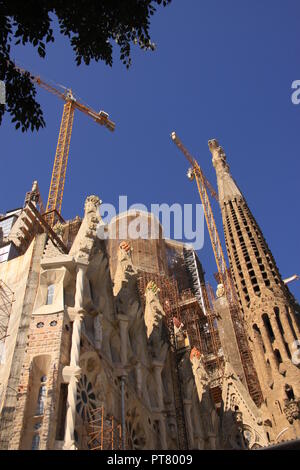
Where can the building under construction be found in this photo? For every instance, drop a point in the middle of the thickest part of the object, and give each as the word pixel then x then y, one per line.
pixel 118 342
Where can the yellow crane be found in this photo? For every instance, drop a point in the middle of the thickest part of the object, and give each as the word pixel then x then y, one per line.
pixel 56 190
pixel 203 185
pixel 195 172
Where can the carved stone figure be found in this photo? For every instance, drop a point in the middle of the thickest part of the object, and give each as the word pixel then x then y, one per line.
pixel 208 413
pixel 59 229
pixel 93 351
pixel 128 303
pixel 292 410
pixel 241 422
pixel 202 379
pixel 125 276
pixel 220 291
pixel 266 306
pixel 154 316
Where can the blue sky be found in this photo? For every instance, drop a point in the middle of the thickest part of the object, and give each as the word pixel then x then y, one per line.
pixel 222 69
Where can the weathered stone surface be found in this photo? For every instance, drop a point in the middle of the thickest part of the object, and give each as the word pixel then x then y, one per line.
pixel 78 338
pixel 266 305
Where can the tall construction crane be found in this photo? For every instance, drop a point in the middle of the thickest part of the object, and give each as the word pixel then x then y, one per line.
pixel 203 184
pixel 56 190
pixel 195 172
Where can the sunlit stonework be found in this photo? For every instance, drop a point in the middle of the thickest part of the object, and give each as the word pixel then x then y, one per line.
pixel 115 343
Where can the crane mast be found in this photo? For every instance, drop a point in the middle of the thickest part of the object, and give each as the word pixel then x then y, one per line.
pixel 56 190
pixel 224 273
pixel 202 185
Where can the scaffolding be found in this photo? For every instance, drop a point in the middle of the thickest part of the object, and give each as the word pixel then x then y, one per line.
pixel 105 432
pixel 203 186
pixel 70 230
pixel 148 251
pixel 246 356
pixel 192 309
pixel 6 301
pixel 35 196
pixel 203 334
pixel 169 299
pixel 191 316
pixel 195 310
pixel 191 265
pixel 241 337
pixel 200 320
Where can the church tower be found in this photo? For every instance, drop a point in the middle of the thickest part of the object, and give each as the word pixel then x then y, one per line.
pixel 270 321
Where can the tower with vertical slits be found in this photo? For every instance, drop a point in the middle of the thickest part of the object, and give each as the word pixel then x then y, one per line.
pixel 268 311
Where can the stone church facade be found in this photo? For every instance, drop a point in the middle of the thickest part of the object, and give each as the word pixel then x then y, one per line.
pixel 93 359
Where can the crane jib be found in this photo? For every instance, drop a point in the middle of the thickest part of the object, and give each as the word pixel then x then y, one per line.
pixel 62 151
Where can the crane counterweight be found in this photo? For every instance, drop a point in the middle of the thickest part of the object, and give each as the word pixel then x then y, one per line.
pixel 224 276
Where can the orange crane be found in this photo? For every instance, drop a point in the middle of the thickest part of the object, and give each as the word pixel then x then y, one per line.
pixel 295 277
pixel 203 184
pixel 224 274
pixel 56 190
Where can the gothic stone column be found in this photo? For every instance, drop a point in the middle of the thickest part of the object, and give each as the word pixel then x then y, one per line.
pixel 138 371
pixel 72 372
pixel 158 367
pixel 269 350
pixel 123 322
pixel 279 339
pixel 260 360
pixel 187 412
pixel 287 330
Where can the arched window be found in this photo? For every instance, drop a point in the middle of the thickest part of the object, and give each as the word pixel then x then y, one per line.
pixel 268 327
pixel 258 336
pixel 41 397
pixel 91 290
pixel 279 406
pixel 35 442
pixel 290 322
pixel 278 356
pixel 50 294
pixel 277 315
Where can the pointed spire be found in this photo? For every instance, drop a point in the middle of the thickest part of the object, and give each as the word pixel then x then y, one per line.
pixel 227 187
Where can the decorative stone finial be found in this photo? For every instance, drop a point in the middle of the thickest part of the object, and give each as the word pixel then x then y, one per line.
pixel 91 204
pixel 176 322
pixel 220 291
pixel 125 246
pixel 152 286
pixel 195 353
pixel 218 153
pixel 58 229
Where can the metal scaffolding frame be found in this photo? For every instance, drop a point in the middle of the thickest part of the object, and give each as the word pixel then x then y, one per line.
pixel 191 264
pixel 6 301
pixel 203 334
pixel 169 299
pixel 105 432
pixel 243 345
